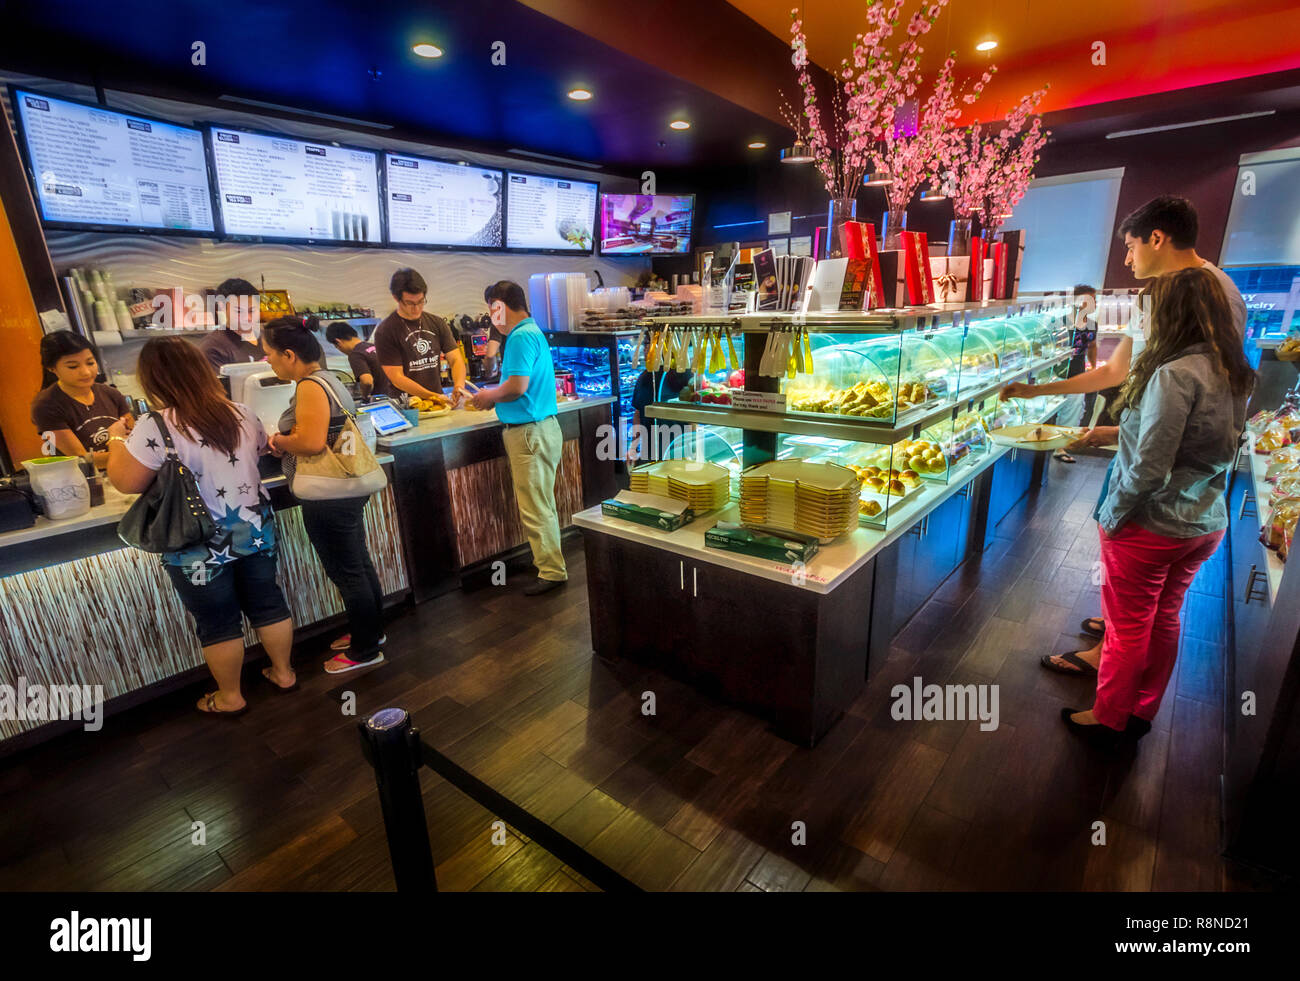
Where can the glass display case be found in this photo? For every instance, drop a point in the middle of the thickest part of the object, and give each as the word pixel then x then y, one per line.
pixel 879 378
pixel 587 359
pixel 715 387
pixel 710 444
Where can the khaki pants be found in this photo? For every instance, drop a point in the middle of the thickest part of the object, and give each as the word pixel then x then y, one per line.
pixel 534 451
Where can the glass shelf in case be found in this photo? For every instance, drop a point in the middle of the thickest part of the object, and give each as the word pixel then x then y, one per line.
pixel 877 378
pixel 711 444
pixel 888 487
pixel 715 387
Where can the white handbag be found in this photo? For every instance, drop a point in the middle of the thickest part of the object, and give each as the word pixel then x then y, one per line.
pixel 346 469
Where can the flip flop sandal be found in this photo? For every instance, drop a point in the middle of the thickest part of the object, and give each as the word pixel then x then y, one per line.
pixel 210 707
pixel 344 643
pixel 1084 669
pixel 1093 625
pixel 1063 457
pixel 350 665
pixel 266 673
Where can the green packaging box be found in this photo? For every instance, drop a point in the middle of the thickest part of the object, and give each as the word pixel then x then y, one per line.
pixel 779 547
pixel 650 517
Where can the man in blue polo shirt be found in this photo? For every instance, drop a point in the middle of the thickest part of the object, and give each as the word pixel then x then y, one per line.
pixel 525 403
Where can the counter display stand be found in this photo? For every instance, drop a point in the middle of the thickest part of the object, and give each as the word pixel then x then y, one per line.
pixel 790 641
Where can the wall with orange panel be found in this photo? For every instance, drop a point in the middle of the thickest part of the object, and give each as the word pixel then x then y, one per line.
pixel 20 361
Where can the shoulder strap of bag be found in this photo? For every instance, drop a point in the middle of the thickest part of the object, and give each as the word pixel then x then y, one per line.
pixel 329 391
pixel 166 434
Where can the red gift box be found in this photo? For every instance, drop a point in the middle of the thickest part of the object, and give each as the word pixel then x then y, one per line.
pixel 975 285
pixel 860 243
pixel 920 283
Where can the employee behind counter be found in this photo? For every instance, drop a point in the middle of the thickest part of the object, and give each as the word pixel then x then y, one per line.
pixel 72 405
pixel 411 344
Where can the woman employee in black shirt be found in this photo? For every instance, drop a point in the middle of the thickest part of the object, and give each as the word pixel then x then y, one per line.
pixel 72 405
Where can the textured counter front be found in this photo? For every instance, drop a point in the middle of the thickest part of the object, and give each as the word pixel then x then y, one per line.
pixel 79 607
pixel 454 490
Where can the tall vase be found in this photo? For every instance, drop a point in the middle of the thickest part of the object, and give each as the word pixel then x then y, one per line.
pixel 959 230
pixel 838 212
pixel 891 231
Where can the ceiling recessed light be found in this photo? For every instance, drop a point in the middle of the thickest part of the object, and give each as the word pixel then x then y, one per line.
pixel 428 50
pixel 579 95
pixel 988 44
pixel 758 145
pixel 679 124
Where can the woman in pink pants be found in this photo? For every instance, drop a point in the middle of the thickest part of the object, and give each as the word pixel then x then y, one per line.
pixel 1163 511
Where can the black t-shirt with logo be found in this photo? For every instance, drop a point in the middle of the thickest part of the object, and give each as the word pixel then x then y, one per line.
pixel 363 360
pixel 55 409
pixel 416 346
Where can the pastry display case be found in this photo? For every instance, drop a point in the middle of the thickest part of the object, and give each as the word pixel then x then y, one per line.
pixel 878 378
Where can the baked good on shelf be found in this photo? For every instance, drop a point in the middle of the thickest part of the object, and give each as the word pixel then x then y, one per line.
pixel 874 483
pixel 897 488
pixel 911 478
pixel 869 507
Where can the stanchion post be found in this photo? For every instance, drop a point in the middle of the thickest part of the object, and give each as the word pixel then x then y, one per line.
pixel 391 745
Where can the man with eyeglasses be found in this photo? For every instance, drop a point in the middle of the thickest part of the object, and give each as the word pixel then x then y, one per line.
pixel 411 344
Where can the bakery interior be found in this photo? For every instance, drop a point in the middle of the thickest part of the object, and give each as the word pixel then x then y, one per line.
pixel 649 728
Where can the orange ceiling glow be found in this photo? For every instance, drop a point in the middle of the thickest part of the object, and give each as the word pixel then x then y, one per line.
pixel 1148 47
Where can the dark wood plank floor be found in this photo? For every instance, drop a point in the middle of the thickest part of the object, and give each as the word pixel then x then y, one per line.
pixel 699 796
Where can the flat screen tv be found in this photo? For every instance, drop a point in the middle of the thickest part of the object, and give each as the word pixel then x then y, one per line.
pixel 550 214
pixel 279 188
pixel 439 204
pixel 99 169
pixel 646 224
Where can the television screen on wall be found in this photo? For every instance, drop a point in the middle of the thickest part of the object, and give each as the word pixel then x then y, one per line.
pixel 437 203
pixel 550 214
pixel 105 170
pixel 280 188
pixel 646 224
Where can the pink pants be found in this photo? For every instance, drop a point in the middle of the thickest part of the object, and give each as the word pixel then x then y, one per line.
pixel 1145 578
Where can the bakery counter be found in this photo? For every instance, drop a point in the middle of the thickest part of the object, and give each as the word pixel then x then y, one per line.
pixel 79 607
pixel 789 641
pixel 452 487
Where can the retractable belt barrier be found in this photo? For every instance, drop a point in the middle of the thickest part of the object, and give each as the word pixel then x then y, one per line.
pixel 392 745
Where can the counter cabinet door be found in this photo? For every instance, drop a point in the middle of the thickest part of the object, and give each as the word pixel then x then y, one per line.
pixel 639 608
pixel 1251 610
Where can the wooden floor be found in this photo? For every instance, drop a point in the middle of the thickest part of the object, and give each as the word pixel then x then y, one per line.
pixel 698 797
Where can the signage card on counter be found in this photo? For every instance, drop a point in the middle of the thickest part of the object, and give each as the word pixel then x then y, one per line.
pixel 758 401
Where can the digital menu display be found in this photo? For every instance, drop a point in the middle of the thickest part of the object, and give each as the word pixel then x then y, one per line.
pixel 433 202
pixel 279 187
pixel 646 224
pixel 550 213
pixel 99 168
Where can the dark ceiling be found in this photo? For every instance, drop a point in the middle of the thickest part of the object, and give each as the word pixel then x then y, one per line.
pixel 354 59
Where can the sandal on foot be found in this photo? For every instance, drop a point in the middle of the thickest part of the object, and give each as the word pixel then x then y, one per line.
pixel 344 643
pixel 283 689
pixel 208 706
pixel 1093 625
pixel 1063 457
pixel 1081 667
pixel 342 664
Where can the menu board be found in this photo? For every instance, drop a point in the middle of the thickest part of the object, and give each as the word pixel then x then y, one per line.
pixel 432 202
pixel 96 167
pixel 278 187
pixel 550 213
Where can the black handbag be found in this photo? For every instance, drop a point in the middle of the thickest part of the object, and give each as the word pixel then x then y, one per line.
pixel 170 515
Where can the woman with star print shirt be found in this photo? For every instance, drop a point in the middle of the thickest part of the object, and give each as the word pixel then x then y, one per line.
pixel 233 573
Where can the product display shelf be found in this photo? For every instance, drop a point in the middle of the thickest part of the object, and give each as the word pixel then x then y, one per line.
pixel 1273 566
pixel 833 426
pixel 833 564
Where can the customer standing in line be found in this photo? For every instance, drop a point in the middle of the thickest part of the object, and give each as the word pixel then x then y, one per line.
pixel 336 529
pixel 219 441
pixel 1182 409
pixel 1159 238
pixel 526 404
